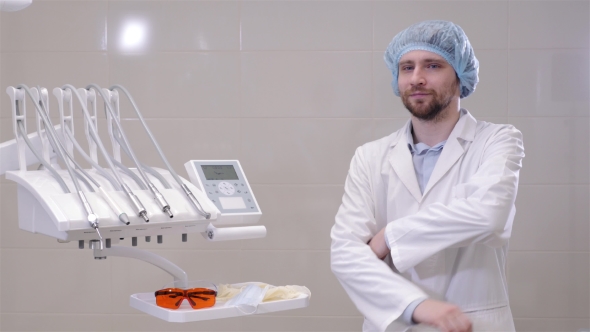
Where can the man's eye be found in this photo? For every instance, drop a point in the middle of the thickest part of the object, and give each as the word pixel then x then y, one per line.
pixel 433 65
pixel 405 68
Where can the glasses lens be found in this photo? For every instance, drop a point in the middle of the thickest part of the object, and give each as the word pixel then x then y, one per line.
pixel 169 298
pixel 201 297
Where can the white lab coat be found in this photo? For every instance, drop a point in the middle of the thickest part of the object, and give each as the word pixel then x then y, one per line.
pixel 449 243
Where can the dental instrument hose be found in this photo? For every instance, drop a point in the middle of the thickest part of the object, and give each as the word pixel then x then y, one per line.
pixel 157 195
pixel 99 168
pixel 184 187
pixel 62 150
pixel 51 136
pixel 141 211
pixel 50 168
pixel 94 164
pixel 144 166
pixel 91 216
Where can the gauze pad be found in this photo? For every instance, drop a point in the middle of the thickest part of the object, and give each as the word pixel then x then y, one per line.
pixel 248 299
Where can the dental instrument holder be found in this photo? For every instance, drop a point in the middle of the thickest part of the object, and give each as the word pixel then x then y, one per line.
pixel 64 97
pixel 44 208
pixel 114 101
pixel 41 131
pixel 89 96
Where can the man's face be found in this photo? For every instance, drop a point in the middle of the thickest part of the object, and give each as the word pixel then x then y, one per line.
pixel 427 84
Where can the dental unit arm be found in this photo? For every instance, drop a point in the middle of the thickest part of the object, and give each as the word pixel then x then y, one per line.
pixel 111 205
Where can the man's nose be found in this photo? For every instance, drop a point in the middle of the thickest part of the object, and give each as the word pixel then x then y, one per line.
pixel 417 78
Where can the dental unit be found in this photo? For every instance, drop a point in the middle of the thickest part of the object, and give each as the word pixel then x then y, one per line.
pixel 103 205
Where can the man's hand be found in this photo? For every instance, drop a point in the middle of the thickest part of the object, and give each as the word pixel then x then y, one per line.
pixel 442 315
pixel 378 244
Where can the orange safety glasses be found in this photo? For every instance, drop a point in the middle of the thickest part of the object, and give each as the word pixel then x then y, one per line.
pixel 198 298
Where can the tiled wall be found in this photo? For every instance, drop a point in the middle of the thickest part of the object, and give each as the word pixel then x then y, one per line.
pixel 291 88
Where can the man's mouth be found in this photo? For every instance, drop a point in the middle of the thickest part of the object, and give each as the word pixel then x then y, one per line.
pixel 419 94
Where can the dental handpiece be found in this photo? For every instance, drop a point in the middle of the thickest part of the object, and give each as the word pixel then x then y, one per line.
pixel 54 140
pixel 158 197
pixel 138 206
pixel 141 210
pixel 195 202
pixel 161 200
pixel 186 190
pixel 92 217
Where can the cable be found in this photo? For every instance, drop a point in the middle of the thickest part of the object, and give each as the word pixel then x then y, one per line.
pixel 146 168
pixel 187 191
pixel 141 211
pixel 94 164
pixel 91 216
pixel 50 168
pixel 131 174
pixel 54 140
pixel 157 195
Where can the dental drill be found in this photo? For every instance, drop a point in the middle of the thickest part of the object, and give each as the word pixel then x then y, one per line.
pixel 140 209
pixel 54 140
pixel 184 187
pixel 158 197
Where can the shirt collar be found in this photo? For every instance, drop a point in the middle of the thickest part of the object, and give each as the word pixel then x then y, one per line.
pixel 422 147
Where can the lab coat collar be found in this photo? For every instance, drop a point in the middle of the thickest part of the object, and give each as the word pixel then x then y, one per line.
pixel 401 157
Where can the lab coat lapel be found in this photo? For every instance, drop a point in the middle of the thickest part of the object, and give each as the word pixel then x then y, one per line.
pixel 453 150
pixel 403 165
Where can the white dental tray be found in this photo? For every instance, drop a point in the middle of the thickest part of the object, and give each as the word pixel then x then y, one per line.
pixel 146 302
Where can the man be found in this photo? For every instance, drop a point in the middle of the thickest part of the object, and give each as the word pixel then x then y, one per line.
pixel 422 232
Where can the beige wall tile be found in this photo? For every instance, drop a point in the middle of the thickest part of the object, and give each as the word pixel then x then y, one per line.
pixel 57 26
pixel 301 151
pixel 304 268
pixel 385 127
pixel 303 323
pixel 549 24
pixel 180 85
pixel 208 139
pixel 549 83
pixel 490 98
pixel 64 278
pixel 551 325
pixel 306 84
pixel 296 217
pixel 55 322
pixel 556 150
pixel 551 218
pixel 294 25
pixel 49 70
pixel 486 25
pixel 549 285
pixel 173 25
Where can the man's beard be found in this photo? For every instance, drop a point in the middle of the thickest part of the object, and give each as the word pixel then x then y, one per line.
pixel 429 111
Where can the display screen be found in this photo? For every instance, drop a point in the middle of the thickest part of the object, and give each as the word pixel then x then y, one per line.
pixel 219 172
pixel 232 203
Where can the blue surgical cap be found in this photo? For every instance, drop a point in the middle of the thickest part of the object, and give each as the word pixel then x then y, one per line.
pixel 443 38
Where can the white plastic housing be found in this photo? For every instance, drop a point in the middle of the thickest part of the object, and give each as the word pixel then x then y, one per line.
pixel 228 216
pixel 44 208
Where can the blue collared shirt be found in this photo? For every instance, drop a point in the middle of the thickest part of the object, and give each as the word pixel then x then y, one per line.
pixel 424 158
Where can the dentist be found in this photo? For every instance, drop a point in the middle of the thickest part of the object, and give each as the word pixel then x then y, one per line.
pixel 422 233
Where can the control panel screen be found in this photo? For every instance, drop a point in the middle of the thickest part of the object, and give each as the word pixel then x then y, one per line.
pixel 219 172
pixel 232 203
